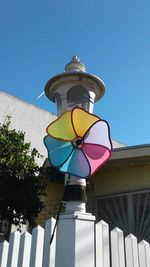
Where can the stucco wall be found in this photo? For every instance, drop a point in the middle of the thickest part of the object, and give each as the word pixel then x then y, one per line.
pixel 120 180
pixel 27 118
pixel 52 202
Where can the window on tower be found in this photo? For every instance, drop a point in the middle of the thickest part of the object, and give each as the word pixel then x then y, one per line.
pixel 78 96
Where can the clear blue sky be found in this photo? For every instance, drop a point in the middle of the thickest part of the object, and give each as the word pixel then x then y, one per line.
pixel 37 38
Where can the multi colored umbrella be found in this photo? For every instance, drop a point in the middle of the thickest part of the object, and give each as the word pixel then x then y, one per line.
pixel 78 143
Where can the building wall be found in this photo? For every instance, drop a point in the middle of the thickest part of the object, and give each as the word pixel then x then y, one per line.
pixel 27 118
pixel 52 202
pixel 122 180
pixel 119 180
pixel 108 181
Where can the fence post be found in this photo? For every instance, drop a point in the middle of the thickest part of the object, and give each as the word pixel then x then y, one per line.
pixel 37 247
pixel 3 253
pixel 144 254
pixel 13 249
pixel 49 251
pixel 75 240
pixel 102 244
pixel 117 248
pixel 131 247
pixel 24 251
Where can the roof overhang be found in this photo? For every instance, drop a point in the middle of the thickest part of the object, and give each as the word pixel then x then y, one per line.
pixel 131 152
pixel 131 156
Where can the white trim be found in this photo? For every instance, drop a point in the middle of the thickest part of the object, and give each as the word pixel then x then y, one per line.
pixel 131 152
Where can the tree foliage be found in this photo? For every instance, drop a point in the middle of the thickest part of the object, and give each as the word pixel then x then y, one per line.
pixel 20 186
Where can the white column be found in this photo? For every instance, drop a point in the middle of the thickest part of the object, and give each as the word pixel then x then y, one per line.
pixel 102 244
pixel 75 240
pixel 117 248
pixel 49 250
pixel 144 254
pixel 24 250
pixel 13 251
pixel 37 247
pixel 3 253
pixel 131 247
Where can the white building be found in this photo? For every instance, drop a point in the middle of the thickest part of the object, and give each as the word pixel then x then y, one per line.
pixel 27 118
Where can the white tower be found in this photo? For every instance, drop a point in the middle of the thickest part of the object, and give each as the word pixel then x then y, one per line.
pixel 75 88
pixel 75 244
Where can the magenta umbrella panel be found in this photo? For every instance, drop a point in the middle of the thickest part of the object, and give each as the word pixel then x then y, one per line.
pixel 78 143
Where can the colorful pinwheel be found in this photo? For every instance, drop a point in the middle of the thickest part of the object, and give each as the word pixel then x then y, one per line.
pixel 78 143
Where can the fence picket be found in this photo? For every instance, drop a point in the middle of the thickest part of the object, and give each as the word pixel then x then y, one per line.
pixel 102 245
pixel 13 249
pixel 3 253
pixel 24 251
pixel 117 248
pixel 49 251
pixel 144 254
pixel 37 247
pixel 131 247
pixel 35 251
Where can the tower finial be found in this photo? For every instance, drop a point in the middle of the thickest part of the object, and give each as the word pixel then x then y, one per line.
pixel 75 65
pixel 75 59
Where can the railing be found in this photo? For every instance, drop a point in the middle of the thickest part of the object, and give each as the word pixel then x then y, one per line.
pixel 111 248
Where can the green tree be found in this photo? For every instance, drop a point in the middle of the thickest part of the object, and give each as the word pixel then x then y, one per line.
pixel 21 188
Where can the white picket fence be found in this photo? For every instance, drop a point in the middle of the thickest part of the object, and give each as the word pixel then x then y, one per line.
pixel 112 249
